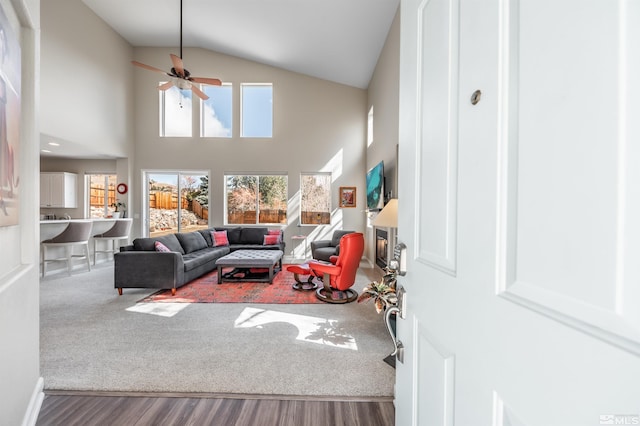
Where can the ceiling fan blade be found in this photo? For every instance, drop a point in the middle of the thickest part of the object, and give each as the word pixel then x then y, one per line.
pixel 165 86
pixel 204 80
pixel 199 93
pixel 147 67
pixel 177 65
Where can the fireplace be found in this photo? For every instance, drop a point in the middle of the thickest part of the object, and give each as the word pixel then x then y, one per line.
pixel 381 248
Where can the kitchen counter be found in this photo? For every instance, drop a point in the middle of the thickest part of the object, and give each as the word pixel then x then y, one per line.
pixel 51 228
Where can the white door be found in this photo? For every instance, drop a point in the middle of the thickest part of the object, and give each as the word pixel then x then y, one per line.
pixel 521 213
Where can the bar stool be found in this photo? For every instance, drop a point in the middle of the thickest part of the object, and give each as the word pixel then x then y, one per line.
pixel 76 234
pixel 119 231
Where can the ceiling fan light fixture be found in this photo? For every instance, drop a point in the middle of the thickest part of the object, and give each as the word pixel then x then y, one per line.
pixel 181 84
pixel 180 77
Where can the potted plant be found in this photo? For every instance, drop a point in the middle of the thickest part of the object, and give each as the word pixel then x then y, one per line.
pixel 383 291
pixel 120 209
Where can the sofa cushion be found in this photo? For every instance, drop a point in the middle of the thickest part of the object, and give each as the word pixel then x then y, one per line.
pixel 201 257
pixel 206 234
pixel 233 233
pixel 148 244
pixel 219 238
pixel 253 235
pixel 191 241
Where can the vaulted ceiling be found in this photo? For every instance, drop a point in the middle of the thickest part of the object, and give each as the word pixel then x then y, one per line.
pixel 336 40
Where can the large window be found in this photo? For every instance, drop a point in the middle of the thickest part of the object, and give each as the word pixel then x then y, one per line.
pixel 257 110
pixel 256 199
pixel 315 198
pixel 216 112
pixel 177 202
pixel 175 112
pixel 370 127
pixel 101 194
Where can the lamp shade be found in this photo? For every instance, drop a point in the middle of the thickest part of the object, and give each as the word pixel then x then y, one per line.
pixel 388 217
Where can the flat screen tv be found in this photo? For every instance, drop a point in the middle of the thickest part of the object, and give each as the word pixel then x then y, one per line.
pixel 375 187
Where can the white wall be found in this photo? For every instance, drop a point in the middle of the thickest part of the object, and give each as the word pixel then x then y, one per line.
pixel 318 125
pixel 87 81
pixel 383 96
pixel 87 93
pixel 20 384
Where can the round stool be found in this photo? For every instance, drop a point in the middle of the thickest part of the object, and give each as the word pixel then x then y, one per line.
pixel 302 269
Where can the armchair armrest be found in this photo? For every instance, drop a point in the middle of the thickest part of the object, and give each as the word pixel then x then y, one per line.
pixel 320 244
pixel 148 269
pixel 315 245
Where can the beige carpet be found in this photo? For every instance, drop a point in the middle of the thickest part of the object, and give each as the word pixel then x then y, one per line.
pixel 93 339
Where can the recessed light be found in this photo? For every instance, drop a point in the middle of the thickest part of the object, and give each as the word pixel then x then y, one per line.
pixel 45 150
pixel 54 144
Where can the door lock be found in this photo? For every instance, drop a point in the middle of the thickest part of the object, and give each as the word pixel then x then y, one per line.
pixel 475 97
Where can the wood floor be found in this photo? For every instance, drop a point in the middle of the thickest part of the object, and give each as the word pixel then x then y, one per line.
pixel 87 409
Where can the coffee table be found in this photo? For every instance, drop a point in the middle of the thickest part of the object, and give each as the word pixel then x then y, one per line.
pixel 243 261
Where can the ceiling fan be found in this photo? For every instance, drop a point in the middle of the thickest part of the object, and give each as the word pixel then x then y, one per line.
pixel 181 77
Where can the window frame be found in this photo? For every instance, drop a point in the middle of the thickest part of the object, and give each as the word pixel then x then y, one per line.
pixel 162 96
pixel 370 126
pixel 179 174
pixel 107 209
pixel 203 108
pixel 243 113
pixel 328 200
pixel 257 197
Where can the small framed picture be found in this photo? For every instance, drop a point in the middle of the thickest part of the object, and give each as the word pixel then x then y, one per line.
pixel 347 196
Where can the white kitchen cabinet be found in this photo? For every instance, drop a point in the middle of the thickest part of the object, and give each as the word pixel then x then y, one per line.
pixel 58 189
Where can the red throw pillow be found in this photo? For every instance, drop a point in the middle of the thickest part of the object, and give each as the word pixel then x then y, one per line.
pixel 270 240
pixel 219 238
pixel 277 232
pixel 161 247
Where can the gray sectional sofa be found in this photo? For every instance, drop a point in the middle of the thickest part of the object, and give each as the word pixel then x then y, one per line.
pixel 192 255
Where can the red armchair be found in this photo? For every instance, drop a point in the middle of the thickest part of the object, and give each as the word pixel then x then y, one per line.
pixel 340 275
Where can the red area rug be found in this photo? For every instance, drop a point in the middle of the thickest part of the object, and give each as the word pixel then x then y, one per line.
pixel 207 290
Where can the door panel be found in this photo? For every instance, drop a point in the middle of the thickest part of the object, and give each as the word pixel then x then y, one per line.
pixel 566 163
pixel 520 213
pixel 437 130
pixel 435 373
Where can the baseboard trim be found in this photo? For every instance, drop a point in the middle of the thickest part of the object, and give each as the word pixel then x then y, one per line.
pixel 33 410
pixel 209 395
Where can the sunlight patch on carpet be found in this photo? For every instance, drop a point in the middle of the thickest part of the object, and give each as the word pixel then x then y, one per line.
pixel 310 329
pixel 161 309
